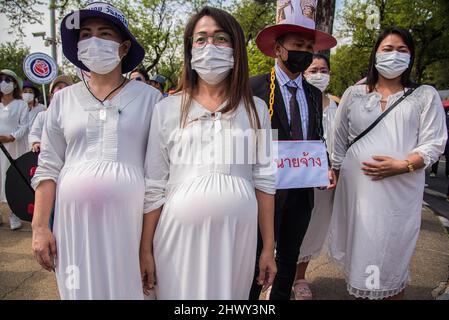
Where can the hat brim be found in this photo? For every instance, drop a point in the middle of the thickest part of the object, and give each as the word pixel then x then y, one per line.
pixel 13 75
pixel 62 78
pixel 69 38
pixel 266 39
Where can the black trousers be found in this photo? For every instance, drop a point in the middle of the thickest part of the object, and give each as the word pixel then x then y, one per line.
pixel 291 223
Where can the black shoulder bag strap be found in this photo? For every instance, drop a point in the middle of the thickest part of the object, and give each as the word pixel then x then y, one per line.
pixel 383 115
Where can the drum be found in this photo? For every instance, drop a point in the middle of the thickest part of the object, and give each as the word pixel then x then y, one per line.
pixel 18 194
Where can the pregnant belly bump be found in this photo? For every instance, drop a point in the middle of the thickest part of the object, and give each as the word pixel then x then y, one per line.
pixel 90 188
pixel 200 201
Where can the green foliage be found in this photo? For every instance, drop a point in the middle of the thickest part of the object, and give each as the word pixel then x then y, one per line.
pixel 427 20
pixel 348 65
pixel 12 55
pixel 258 62
pixel 253 17
pixel 159 26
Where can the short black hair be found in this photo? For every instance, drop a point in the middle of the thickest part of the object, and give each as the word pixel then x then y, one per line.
pixel 143 72
pixel 323 57
pixel 282 37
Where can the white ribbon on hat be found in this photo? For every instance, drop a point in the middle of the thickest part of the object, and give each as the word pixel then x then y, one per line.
pixel 108 9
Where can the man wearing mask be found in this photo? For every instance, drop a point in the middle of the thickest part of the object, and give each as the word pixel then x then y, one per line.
pixel 296 108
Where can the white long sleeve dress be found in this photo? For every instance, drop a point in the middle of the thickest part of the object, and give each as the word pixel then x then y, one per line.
pixel 205 241
pixel 96 155
pixel 375 224
pixel 317 231
pixel 35 134
pixel 13 121
pixel 32 114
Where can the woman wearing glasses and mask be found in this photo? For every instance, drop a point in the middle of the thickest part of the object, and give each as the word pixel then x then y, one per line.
pixel 91 163
pixel 205 205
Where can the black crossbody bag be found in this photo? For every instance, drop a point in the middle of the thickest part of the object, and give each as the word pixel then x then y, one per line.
pixel 383 115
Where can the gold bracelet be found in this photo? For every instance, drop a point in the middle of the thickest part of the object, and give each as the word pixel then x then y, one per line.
pixel 410 166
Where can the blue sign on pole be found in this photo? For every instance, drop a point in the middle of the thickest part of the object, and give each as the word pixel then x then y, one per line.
pixel 40 68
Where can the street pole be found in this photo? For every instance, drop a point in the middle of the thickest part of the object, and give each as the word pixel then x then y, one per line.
pixel 53 30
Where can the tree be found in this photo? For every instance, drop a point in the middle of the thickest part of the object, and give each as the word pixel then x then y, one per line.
pixel 20 12
pixel 12 55
pixel 348 65
pixel 427 20
pixel 253 16
pixel 159 25
pixel 325 15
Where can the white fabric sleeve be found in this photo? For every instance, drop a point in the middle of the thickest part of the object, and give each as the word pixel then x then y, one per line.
pixel 53 146
pixel 340 139
pixel 264 170
pixel 432 127
pixel 157 163
pixel 36 129
pixel 22 128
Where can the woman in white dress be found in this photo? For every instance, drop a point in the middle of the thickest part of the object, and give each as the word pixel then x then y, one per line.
pixel 378 201
pixel 31 94
pixel 92 164
pixel 317 74
pixel 13 129
pixel 35 135
pixel 204 197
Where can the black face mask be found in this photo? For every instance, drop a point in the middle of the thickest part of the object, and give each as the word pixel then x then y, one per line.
pixel 298 61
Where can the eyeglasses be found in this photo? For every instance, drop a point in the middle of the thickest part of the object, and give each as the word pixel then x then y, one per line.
pixel 221 39
pixel 138 79
pixel 6 79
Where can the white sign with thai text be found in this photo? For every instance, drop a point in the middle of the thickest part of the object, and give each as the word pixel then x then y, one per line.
pixel 301 164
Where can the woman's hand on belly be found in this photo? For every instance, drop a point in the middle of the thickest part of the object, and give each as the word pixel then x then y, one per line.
pixel 384 167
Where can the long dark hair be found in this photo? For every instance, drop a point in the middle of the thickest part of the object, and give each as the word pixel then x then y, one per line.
pixel 238 82
pixel 373 75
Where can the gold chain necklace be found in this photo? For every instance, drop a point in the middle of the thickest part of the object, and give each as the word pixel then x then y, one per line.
pixel 272 87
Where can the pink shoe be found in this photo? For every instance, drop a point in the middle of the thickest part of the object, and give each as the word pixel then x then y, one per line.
pixel 302 290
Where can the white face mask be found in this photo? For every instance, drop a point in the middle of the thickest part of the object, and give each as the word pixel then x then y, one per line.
pixel 392 64
pixel 99 55
pixel 319 80
pixel 213 64
pixel 28 97
pixel 6 88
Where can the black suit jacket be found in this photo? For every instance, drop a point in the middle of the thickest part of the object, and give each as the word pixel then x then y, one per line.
pixel 260 86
